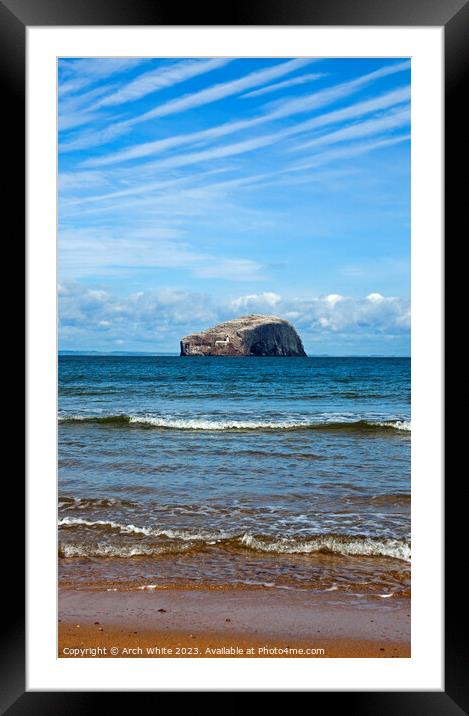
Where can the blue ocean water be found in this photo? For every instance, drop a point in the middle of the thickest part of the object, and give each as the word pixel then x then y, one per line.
pixel 262 472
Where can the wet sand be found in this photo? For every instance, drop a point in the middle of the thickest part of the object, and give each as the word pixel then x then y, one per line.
pixel 229 623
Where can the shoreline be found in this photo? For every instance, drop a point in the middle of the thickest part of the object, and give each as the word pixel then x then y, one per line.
pixel 229 624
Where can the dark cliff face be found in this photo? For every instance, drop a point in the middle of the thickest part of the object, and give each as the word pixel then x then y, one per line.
pixel 246 336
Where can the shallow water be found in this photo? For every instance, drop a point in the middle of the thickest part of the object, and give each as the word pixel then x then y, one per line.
pixel 284 472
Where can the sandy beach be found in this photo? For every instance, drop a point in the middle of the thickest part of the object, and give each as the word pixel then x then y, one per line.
pixel 229 623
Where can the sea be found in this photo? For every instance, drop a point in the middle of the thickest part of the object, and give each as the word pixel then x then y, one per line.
pixel 244 473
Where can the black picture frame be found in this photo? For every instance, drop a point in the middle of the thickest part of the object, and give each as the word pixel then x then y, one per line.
pixel 15 17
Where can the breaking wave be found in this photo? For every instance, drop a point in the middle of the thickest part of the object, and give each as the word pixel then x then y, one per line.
pixel 149 421
pixel 347 545
pixel 110 525
pixel 334 544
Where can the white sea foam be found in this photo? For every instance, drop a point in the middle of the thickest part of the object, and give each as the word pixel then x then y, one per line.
pixel 395 424
pixel 72 521
pixel 102 549
pixel 84 503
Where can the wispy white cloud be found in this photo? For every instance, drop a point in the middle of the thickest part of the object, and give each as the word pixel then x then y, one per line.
pixel 162 190
pixel 219 152
pixel 161 78
pixel 286 108
pixel 222 90
pixel 72 120
pixel 393 98
pixel 108 251
pixel 73 102
pixel 347 152
pixel 74 110
pixel 161 145
pixel 84 179
pixel 81 72
pixel 380 270
pixel 293 81
pixel 377 125
pixel 89 138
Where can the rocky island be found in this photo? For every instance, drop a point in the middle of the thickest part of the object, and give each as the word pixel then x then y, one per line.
pixel 245 336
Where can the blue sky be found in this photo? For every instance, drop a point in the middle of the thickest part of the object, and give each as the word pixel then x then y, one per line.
pixel 196 190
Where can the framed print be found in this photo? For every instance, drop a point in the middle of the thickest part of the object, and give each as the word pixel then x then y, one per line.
pixel 234 436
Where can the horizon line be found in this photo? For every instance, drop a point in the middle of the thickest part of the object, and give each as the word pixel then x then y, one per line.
pixel 174 353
